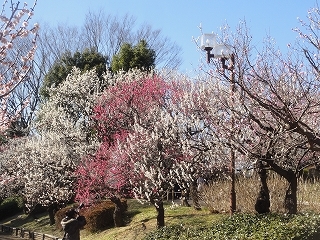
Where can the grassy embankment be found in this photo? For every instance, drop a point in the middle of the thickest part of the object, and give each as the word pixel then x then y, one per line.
pixel 183 222
pixel 140 219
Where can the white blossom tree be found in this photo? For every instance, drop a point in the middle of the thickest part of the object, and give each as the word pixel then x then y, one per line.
pixel 46 162
pixel 277 108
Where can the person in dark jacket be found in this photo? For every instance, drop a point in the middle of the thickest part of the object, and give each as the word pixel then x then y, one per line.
pixel 72 224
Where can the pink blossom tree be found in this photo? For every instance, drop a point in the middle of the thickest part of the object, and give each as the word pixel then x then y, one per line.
pixel 129 102
pixel 105 174
pixel 154 134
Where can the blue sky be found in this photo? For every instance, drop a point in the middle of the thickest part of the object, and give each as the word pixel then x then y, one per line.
pixel 179 19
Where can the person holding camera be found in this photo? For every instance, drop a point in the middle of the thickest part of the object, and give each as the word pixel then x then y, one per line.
pixel 72 224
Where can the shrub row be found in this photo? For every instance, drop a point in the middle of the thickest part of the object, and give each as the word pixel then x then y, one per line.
pixel 99 216
pixel 10 206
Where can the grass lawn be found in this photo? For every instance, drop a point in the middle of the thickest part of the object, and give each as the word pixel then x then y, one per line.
pixel 140 219
pixel 185 223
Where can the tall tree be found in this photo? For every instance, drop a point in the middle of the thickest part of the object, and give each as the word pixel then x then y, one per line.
pixel 103 33
pixel 106 34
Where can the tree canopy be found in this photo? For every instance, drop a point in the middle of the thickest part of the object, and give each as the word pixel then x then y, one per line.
pixel 86 60
pixel 139 56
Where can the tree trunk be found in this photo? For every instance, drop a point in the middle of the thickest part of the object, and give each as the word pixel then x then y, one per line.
pixel 160 211
pixel 184 198
pixel 291 201
pixel 263 200
pixel 52 210
pixel 194 195
pixel 117 214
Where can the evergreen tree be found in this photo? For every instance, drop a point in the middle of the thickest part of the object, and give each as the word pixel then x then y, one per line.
pixel 85 61
pixel 139 56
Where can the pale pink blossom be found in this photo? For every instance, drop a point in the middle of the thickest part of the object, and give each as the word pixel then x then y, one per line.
pixel 4 40
pixel 4 19
pixel 24 59
pixel 5 32
pixel 15 65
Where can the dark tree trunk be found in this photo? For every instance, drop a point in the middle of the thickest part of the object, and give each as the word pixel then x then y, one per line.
pixel 160 212
pixel 291 201
pixel 184 198
pixel 52 209
pixel 263 200
pixel 194 195
pixel 117 214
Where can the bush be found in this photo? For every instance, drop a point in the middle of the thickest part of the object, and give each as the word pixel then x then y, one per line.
pixel 99 216
pixel 60 214
pixel 10 206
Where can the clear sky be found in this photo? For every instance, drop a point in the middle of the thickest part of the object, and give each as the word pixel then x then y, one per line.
pixel 179 19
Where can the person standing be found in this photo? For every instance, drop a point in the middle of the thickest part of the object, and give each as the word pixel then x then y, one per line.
pixel 72 224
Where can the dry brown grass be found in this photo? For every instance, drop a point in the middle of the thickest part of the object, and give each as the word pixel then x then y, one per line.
pixel 216 196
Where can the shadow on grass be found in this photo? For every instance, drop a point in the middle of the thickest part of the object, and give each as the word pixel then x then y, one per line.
pixel 135 208
pixel 315 236
pixel 16 220
pixel 129 216
pixel 22 219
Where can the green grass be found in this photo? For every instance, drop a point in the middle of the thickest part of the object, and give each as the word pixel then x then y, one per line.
pixel 246 227
pixel 140 220
pixel 186 223
pixel 39 224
